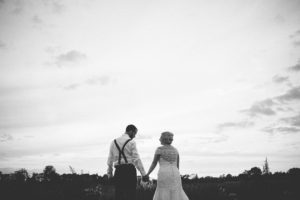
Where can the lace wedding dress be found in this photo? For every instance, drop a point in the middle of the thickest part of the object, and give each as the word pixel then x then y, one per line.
pixel 169 186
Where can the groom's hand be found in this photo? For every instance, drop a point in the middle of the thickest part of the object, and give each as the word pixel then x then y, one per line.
pixel 109 175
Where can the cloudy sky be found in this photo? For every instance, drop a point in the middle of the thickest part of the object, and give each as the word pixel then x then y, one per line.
pixel 223 76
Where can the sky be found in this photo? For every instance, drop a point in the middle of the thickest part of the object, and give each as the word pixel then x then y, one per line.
pixel 223 76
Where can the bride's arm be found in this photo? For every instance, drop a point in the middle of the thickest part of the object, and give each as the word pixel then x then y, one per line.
pixel 178 161
pixel 154 163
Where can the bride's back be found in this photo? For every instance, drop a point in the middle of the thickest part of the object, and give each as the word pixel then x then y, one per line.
pixel 168 154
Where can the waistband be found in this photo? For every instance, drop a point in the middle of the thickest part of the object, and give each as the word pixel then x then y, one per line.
pixel 123 164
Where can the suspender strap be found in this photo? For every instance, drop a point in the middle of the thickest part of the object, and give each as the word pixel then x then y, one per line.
pixel 121 152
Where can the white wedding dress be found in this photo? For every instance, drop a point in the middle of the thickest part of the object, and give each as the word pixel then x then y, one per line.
pixel 169 186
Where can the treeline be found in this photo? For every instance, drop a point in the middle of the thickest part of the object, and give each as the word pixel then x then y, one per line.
pixel 48 185
pixel 251 184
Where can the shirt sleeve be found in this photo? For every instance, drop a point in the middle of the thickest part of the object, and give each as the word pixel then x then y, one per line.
pixel 136 159
pixel 110 159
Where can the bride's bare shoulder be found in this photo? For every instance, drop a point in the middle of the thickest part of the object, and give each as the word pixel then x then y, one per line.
pixel 159 150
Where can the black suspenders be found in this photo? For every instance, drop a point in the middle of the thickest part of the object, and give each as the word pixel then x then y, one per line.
pixel 121 152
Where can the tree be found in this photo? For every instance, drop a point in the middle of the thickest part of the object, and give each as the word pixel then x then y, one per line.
pixel 228 177
pixel 37 177
pixel 294 171
pixel 21 175
pixel 254 171
pixel 266 169
pixel 50 173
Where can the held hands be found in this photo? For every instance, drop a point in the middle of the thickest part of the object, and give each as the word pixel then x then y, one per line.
pixel 109 176
pixel 145 178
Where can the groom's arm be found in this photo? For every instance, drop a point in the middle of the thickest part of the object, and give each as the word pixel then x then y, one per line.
pixel 110 161
pixel 136 159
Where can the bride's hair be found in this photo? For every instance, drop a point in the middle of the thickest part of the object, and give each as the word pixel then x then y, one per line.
pixel 165 136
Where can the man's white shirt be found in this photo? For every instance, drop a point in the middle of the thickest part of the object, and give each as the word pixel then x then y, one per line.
pixel 130 152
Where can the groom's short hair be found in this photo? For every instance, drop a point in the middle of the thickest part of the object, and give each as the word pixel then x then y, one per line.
pixel 131 127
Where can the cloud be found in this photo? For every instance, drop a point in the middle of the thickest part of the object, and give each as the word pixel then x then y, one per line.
pixel 295 68
pixel 5 137
pixel 279 19
pixel 216 138
pixel 2 45
pixel 263 107
pixel 280 79
pixel 293 121
pixel 102 80
pixel 241 154
pixel 297 43
pixel 221 138
pixel 297 33
pixel 292 94
pixel 2 2
pixel 292 125
pixel 69 57
pixel 72 86
pixel 285 109
pixel 18 7
pixel 242 124
pixel 21 6
pixel 56 6
pixel 52 49
pixel 283 130
pixel 37 20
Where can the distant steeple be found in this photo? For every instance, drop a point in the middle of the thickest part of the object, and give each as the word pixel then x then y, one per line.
pixel 266 169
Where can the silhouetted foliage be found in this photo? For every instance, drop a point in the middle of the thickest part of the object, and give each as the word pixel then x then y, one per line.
pixel 21 175
pixel 50 174
pixel 249 185
pixel 294 172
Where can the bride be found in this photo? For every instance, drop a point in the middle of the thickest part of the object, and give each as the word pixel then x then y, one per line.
pixel 169 186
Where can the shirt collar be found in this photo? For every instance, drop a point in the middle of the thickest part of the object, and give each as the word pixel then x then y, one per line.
pixel 126 136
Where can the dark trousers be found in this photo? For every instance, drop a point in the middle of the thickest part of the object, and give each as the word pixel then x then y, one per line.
pixel 125 182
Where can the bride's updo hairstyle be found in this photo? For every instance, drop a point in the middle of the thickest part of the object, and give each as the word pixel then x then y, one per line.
pixel 166 138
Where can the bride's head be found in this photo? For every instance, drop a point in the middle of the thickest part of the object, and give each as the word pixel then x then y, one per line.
pixel 166 138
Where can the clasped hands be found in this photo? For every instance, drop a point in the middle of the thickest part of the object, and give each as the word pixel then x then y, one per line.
pixel 145 178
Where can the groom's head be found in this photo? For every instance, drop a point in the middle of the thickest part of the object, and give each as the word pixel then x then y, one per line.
pixel 131 130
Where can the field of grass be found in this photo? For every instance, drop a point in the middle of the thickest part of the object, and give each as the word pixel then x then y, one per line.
pixel 247 186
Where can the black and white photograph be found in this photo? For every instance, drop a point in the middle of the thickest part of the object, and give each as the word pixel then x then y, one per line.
pixel 149 99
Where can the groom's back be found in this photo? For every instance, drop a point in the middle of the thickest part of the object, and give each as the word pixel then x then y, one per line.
pixel 128 149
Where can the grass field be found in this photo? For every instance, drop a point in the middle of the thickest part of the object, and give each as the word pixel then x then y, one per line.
pixel 250 185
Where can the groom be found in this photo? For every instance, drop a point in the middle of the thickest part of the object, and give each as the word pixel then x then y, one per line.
pixel 123 155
